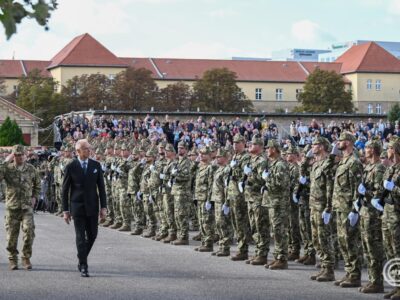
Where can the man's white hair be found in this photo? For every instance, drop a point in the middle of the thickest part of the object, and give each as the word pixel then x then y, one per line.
pixel 80 143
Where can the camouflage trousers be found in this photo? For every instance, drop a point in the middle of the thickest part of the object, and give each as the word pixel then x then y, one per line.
pixel 194 216
pixel 116 203
pixel 148 206
pixel 182 203
pixel 279 223
pixel 125 206
pixel 168 208
pixel 350 244
pixel 371 235
pixel 58 197
pixel 322 238
pixel 162 217
pixel 139 217
pixel 305 227
pixel 261 231
pixel 207 223
pixel 294 229
pixel 15 219
pixel 241 223
pixel 110 200
pixel 223 226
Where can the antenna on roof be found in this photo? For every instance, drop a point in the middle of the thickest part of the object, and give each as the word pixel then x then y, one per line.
pixel 13 57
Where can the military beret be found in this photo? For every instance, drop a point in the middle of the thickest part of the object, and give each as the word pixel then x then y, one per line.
pixel 193 152
pixel 109 145
pixel 321 140
pixel 383 155
pixel 99 150
pixel 169 148
pixel 292 150
pixel 222 153
pixel 161 145
pixel 257 141
pixel 395 143
pixel 182 144
pixel 124 146
pixel 376 144
pixel 18 149
pixel 238 138
pixel 151 153
pixel 347 136
pixel 205 150
pixel 117 146
pixel 273 144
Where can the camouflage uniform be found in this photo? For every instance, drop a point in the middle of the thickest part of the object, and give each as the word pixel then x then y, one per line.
pixel 108 185
pixel 223 222
pixel 194 207
pixel 258 214
pixel 236 200
pixel 347 179
pixel 157 185
pixel 23 183
pixel 115 188
pixel 276 198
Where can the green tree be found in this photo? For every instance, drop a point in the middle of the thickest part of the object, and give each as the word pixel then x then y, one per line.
pixel 324 91
pixel 13 12
pixel 394 113
pixel 37 95
pixel 10 133
pixel 134 89
pixel 175 96
pixel 217 90
pixel 88 91
pixel 2 86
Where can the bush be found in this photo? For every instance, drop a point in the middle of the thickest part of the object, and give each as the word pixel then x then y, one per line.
pixel 10 133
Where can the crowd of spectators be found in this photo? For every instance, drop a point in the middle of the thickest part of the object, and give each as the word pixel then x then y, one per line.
pixel 200 132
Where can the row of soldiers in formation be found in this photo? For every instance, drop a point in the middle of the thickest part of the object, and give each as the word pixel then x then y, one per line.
pixel 327 198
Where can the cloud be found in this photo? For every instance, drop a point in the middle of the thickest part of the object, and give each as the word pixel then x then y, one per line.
pixel 306 31
pixel 394 7
pixel 222 13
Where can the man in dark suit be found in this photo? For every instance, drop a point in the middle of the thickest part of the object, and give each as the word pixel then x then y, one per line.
pixel 83 187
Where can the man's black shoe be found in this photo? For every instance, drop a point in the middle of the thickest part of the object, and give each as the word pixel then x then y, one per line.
pixel 79 267
pixel 84 271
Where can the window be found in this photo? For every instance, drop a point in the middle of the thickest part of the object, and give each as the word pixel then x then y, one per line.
pixel 378 85
pixel 278 94
pixel 369 84
pixel 111 76
pixel 370 108
pixel 298 92
pixel 378 108
pixel 258 93
pixel 15 88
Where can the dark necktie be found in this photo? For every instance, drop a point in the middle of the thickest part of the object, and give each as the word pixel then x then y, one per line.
pixel 84 167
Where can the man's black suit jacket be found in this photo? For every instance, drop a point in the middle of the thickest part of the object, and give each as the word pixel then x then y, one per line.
pixel 81 192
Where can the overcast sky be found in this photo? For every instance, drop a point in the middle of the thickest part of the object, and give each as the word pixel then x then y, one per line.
pixel 206 28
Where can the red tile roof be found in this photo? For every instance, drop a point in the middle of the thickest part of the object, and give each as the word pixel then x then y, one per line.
pixel 141 62
pixel 84 50
pixel 190 69
pixel 37 64
pixel 368 57
pixel 311 66
pixel 10 68
pixel 19 110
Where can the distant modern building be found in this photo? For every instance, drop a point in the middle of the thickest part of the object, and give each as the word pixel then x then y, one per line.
pixel 298 54
pixel 338 49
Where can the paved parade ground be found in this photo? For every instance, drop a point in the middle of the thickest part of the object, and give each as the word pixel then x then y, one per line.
pixel 130 267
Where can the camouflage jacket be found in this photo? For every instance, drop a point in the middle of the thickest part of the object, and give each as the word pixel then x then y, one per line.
pixel 321 184
pixel 22 183
pixel 134 177
pixel 255 182
pixel 372 180
pixel 218 190
pixel 347 179
pixel 166 182
pixel 203 182
pixel 294 174
pixel 393 172
pixel 277 184
pixel 122 169
pixel 182 179
pixel 237 175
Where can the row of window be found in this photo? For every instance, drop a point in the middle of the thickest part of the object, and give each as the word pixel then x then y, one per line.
pixel 378 84
pixel 278 94
pixel 378 108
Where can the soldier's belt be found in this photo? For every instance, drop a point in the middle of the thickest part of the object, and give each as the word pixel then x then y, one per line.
pixel 389 201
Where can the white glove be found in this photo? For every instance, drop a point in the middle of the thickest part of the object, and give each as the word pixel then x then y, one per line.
pixel 310 154
pixel 294 198
pixel 143 161
pixel 174 171
pixel 162 176
pixel 361 189
pixel 152 168
pixel 247 170
pixel 225 209
pixel 353 218
pixel 335 150
pixel 103 167
pixel 327 217
pixel 113 167
pixel 139 196
pixel 151 199
pixel 233 163
pixel 169 183
pixel 198 158
pixel 240 186
pixel 389 185
pixel 357 205
pixel 118 170
pixel 207 206
pixel 226 182
pixel 375 203
pixel 265 175
pixel 303 179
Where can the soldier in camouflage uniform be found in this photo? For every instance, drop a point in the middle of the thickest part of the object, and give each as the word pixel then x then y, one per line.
pixel 205 208
pixel 254 188
pixel 58 166
pixel 134 177
pixel 180 182
pixel 148 193
pixel 292 157
pixel 167 198
pixel 223 222
pixel 236 198
pixel 370 220
pixel 108 184
pixel 194 159
pixel 115 187
pixel 347 179
pixel 321 187
pixel 23 188
pixel 390 190
pixel 276 198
